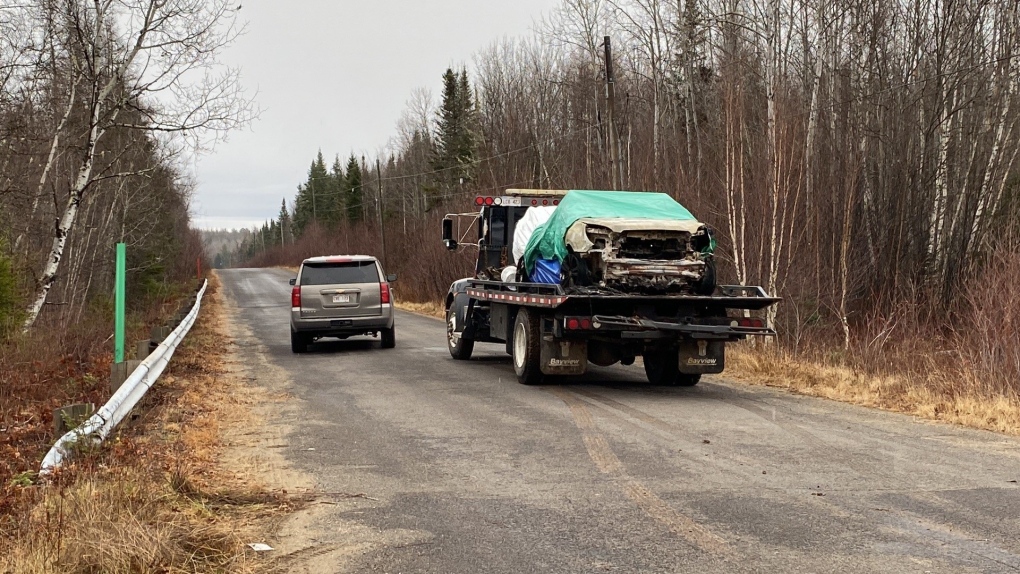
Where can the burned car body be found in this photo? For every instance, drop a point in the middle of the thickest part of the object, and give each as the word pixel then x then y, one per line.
pixel 648 256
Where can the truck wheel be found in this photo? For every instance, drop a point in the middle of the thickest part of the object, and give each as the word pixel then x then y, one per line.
pixel 687 380
pixel 460 347
pixel 298 343
pixel 527 354
pixel 389 338
pixel 662 366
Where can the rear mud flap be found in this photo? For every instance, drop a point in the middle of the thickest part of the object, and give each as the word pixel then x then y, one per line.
pixel 561 357
pixel 698 356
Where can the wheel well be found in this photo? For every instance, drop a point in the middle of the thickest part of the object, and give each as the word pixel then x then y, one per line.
pixel 449 300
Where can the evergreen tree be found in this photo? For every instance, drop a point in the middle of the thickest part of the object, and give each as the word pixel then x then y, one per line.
pixel 455 138
pixel 320 186
pixel 315 199
pixel 286 229
pixel 354 192
pixel 302 210
pixel 466 138
pixel 338 184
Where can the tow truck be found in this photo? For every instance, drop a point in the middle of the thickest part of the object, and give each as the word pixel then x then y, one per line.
pixel 554 330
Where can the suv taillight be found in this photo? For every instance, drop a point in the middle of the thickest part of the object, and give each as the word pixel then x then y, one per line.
pixel 384 291
pixel 295 296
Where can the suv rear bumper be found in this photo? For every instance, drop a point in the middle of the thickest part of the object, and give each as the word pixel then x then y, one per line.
pixel 325 327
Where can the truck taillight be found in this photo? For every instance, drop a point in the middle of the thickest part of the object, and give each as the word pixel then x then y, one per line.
pixel 384 292
pixel 295 296
pixel 748 323
pixel 576 323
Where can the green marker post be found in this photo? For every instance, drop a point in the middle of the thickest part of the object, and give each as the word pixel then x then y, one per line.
pixel 119 304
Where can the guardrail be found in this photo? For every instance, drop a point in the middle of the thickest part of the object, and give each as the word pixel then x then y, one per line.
pixel 102 423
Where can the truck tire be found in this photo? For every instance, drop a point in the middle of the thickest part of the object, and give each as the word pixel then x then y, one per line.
pixel 298 343
pixel 662 366
pixel 687 380
pixel 460 347
pixel 527 354
pixel 389 337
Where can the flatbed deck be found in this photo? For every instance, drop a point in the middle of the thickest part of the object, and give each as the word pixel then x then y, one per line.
pixel 752 298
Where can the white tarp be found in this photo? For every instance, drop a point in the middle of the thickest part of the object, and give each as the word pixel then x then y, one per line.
pixel 533 218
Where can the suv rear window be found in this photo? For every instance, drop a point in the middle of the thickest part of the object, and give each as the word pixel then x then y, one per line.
pixel 340 273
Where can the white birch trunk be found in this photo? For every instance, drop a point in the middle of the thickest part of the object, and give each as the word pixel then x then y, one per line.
pixel 64 226
pixel 50 160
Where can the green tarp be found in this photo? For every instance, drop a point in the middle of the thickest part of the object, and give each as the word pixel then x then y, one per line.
pixel 547 242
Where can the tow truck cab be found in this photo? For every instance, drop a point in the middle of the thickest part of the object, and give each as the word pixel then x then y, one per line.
pixel 497 219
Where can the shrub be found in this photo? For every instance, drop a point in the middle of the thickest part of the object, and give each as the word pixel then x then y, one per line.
pixel 10 302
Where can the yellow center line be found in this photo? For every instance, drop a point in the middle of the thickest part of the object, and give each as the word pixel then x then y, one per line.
pixel 608 463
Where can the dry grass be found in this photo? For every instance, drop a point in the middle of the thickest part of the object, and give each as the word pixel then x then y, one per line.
pixel 941 395
pixel 430 309
pixel 154 498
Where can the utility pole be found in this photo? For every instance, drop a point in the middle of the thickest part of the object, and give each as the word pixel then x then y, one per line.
pixel 614 151
pixel 379 200
pixel 364 203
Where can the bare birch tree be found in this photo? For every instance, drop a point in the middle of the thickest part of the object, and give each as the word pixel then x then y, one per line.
pixel 144 65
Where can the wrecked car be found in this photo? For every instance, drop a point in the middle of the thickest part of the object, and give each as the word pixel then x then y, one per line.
pixel 633 242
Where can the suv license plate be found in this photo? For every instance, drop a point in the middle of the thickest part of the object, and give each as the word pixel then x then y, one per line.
pixel 341 298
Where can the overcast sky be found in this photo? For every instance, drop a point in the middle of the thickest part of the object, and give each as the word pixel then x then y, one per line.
pixel 336 75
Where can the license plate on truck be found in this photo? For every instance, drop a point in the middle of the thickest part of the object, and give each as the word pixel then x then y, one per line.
pixel 341 298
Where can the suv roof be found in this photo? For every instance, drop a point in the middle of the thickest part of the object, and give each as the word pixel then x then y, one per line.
pixel 338 259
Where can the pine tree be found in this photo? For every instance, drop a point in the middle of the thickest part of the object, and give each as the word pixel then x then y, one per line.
pixel 354 192
pixel 338 185
pixel 455 139
pixel 315 199
pixel 319 183
pixel 286 229
pixel 466 140
pixel 302 210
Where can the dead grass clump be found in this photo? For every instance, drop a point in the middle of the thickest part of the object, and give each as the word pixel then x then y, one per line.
pixel 428 308
pixel 951 396
pixel 154 498
pixel 128 519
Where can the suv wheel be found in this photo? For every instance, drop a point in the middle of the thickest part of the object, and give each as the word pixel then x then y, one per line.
pixel 298 342
pixel 389 338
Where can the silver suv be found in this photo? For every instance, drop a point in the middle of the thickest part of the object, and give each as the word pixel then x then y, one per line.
pixel 341 296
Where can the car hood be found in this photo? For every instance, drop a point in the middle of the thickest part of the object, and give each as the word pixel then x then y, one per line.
pixel 577 237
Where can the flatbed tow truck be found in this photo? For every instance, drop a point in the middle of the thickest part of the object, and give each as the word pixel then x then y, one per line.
pixel 553 330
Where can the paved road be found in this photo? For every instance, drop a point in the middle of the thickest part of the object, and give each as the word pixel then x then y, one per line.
pixel 471 472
